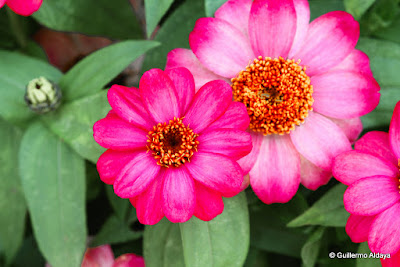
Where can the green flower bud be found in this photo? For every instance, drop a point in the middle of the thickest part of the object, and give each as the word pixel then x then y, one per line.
pixel 42 95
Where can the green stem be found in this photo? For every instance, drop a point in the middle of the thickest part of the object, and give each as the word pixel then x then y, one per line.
pixel 17 29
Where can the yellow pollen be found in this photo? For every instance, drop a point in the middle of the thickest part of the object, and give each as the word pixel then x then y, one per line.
pixel 172 144
pixel 277 93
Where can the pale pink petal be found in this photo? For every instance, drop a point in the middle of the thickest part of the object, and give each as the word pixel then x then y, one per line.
pixel 136 176
pixel 353 165
pixel 319 140
pixel 372 195
pixel 351 127
pixel 208 203
pixel 129 260
pixel 385 231
pixel 330 39
pixel 275 177
pixel 159 95
pixel 344 95
pixel 357 227
pixel 126 103
pixel 217 172
pixel 111 163
pixel 235 117
pixel 356 61
pixel 181 57
pixel 2 2
pixel 236 12
pixel 247 162
pixel 376 143
pixel 303 19
pixel 101 256
pixel 220 47
pixel 393 261
pixel 312 176
pixel 117 134
pixel 184 86
pixel 178 195
pixel 394 131
pixel 209 103
pixel 23 7
pixel 234 144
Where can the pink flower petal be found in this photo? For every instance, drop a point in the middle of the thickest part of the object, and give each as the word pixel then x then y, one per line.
pixel 236 12
pixel 247 162
pixel 319 140
pixel 129 260
pixel 2 2
pixel 275 177
pixel 181 57
pixel 159 95
pixel 220 46
pixel 357 227
pixel 394 131
pixel 101 256
pixel 235 117
pixel 353 165
pixel 351 127
pixel 234 144
pixel 111 163
pixel 23 7
pixel 356 61
pixel 217 172
pixel 117 134
pixel 393 261
pixel 149 204
pixel 272 27
pixel 330 39
pixel 209 103
pixel 385 231
pixel 312 176
pixel 376 143
pixel 126 103
pixel 178 195
pixel 209 203
pixel 344 95
pixel 184 86
pixel 303 19
pixel 372 195
pixel 136 176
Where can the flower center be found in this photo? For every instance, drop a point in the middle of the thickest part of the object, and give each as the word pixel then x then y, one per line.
pixel 277 93
pixel 172 144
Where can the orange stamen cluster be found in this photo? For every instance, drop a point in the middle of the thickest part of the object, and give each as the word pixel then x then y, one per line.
pixel 172 144
pixel 277 93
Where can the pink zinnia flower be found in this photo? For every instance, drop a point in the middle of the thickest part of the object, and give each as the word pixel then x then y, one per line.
pixel 172 151
pixel 22 7
pixel 373 198
pixel 304 84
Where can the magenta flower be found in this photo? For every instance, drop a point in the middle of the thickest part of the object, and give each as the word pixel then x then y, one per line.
pixel 22 7
pixel 172 151
pixel 304 85
pixel 372 198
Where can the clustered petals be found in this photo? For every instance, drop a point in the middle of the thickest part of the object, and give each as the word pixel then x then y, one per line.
pixel 22 7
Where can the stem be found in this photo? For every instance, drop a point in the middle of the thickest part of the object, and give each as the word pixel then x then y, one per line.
pixel 17 29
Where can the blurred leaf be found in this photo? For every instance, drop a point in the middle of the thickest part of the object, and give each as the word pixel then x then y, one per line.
pixel 223 241
pixel 34 50
pixel 369 262
pixel 92 73
pixel 391 33
pixel 7 38
pixel 29 255
pixel 256 258
pixel 174 33
pixel 380 16
pixel 53 179
pixel 119 205
pixel 155 10
pixel 16 70
pixel 212 5
pixel 73 123
pixel 358 7
pixel 385 63
pixel 93 182
pixel 320 7
pixel 310 250
pixel 12 201
pixel 327 211
pixel 114 19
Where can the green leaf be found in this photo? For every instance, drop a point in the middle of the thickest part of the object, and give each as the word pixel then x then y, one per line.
pixel 385 63
pixel 310 250
pixel 155 10
pixel 53 180
pixel 368 262
pixel 380 16
pixel 16 70
pixel 327 211
pixel 120 206
pixel 212 5
pixel 74 121
pixel 223 241
pixel 92 73
pixel 12 202
pixel 320 7
pixel 391 33
pixel 114 19
pixel 358 7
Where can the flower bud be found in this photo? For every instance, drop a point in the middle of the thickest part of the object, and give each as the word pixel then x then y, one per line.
pixel 42 95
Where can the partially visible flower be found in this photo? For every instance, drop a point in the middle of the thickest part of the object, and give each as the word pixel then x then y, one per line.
pixel 304 85
pixel 373 195
pixel 22 7
pixel 172 151
pixel 393 261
